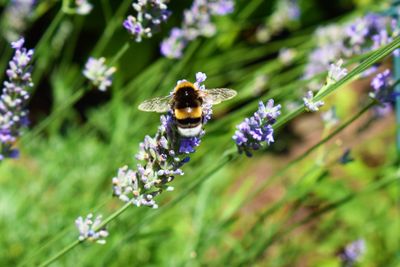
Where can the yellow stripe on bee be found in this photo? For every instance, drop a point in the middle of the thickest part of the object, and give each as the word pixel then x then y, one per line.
pixel 183 85
pixel 185 113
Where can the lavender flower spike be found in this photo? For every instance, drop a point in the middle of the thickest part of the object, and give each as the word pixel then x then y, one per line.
pixel 160 160
pixel 14 98
pixel 150 14
pixel 88 229
pixel 309 103
pixel 98 73
pixel 253 131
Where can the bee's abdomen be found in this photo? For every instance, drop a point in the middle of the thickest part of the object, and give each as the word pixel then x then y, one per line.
pixel 189 122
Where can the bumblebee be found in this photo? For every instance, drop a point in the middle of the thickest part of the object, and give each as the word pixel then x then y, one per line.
pixel 186 103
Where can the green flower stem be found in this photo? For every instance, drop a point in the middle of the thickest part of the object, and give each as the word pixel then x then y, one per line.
pixel 29 137
pixel 112 25
pixel 41 45
pixel 106 10
pixel 5 57
pixel 71 100
pixel 113 216
pixel 396 63
pixel 61 253
pixel 120 53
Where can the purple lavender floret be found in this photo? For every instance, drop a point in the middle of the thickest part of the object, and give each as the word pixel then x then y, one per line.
pixel 253 131
pixel 150 15
pixel 188 144
pixel 14 98
pixel 382 85
pixel 161 158
pixel 196 22
pixel 353 252
pixel 173 46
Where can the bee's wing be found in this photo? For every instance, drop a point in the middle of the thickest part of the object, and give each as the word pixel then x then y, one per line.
pixel 217 95
pixel 157 104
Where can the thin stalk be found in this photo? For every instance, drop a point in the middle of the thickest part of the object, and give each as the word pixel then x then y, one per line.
pixel 29 137
pixel 111 27
pixel 49 31
pixel 71 246
pixel 396 63
pixel 61 253
pixel 106 10
pixel 120 53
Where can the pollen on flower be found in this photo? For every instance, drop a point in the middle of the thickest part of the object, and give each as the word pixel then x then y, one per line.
pixel 89 229
pixel 99 73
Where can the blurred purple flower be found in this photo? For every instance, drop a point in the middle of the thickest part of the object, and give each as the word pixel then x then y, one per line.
pixel 196 22
pixel 382 87
pixel 359 36
pixel 14 98
pixel 173 46
pixel 285 15
pixel 162 157
pixel 98 73
pixel 150 14
pixel 16 17
pixel 353 252
pixel 253 131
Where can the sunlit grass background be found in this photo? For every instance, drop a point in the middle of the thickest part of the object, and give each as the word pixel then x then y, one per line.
pixel 301 216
